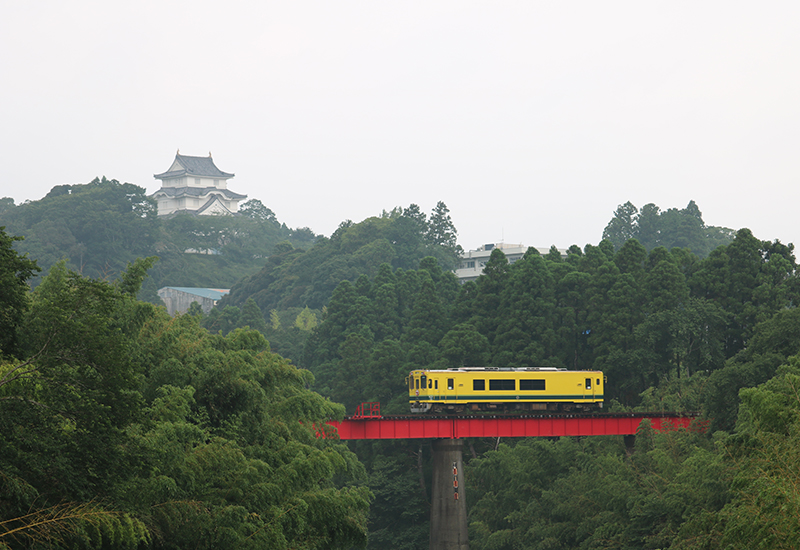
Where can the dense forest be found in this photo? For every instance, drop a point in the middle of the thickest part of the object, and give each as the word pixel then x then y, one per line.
pixel 400 239
pixel 672 331
pixel 123 427
pixel 286 299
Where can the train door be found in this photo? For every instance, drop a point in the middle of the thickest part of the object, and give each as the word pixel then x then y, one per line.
pixel 452 393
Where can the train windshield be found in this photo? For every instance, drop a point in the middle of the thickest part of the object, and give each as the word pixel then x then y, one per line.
pixel 423 381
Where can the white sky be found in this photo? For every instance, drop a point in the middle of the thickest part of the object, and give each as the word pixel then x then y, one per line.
pixel 531 120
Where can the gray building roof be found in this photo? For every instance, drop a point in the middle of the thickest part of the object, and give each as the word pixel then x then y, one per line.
pixel 210 202
pixel 194 166
pixel 212 293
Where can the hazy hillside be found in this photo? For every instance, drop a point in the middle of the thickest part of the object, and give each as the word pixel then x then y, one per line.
pixel 100 226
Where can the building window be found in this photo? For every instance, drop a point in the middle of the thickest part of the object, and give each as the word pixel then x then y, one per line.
pixel 471 264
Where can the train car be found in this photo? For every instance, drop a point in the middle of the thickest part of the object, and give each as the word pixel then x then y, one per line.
pixel 513 388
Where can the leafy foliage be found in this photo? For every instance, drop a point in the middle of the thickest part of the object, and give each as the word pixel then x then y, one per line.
pixel 15 271
pixel 401 238
pixel 188 439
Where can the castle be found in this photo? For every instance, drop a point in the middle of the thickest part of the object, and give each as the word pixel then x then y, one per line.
pixel 197 186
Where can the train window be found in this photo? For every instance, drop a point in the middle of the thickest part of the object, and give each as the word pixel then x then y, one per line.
pixel 588 383
pixel 598 382
pixel 430 383
pixel 423 381
pixel 502 385
pixel 449 383
pixel 479 385
pixel 410 382
pixel 531 385
pixel 436 384
pixel 416 380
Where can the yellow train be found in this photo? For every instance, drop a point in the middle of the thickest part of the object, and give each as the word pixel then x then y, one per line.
pixel 492 389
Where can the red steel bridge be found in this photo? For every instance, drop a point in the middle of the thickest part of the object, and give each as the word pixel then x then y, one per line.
pixel 368 423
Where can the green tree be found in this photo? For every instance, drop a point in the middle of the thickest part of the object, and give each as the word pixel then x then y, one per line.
pixel 256 210
pixel 252 317
pixel 622 226
pixel 463 346
pixel 442 234
pixel 15 272
pixel 306 320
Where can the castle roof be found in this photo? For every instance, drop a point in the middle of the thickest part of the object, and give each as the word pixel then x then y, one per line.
pixel 184 165
pixel 198 192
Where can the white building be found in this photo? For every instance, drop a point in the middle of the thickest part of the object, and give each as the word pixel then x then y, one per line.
pixel 196 185
pixel 473 261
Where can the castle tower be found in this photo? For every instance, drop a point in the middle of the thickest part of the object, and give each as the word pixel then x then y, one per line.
pixel 195 185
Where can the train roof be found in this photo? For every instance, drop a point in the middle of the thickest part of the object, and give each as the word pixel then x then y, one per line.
pixel 504 369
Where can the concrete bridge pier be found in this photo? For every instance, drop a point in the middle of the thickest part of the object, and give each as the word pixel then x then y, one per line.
pixel 449 497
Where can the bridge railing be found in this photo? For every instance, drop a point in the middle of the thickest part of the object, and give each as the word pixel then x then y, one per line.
pixel 370 409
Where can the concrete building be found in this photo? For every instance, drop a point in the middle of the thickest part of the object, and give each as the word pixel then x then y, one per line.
pixel 473 261
pixel 196 185
pixel 178 299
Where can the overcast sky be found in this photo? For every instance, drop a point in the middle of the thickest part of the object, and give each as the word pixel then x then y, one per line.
pixel 531 120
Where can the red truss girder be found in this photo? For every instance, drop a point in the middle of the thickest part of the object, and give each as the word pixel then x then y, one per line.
pixel 453 427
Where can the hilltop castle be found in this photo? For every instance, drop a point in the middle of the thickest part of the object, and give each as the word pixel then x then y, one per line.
pixel 195 185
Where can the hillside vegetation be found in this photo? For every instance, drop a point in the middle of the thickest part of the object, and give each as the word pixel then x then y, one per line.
pixel 100 226
pixel 122 427
pixel 400 238
pixel 125 428
pixel 672 332
pixel 669 228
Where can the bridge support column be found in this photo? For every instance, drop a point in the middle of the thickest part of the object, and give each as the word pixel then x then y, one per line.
pixel 449 497
pixel 630 443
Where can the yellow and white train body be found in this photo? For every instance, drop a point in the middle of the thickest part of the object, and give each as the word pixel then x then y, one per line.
pixel 492 389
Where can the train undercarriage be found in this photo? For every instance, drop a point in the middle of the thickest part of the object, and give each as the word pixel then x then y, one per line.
pixel 465 408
